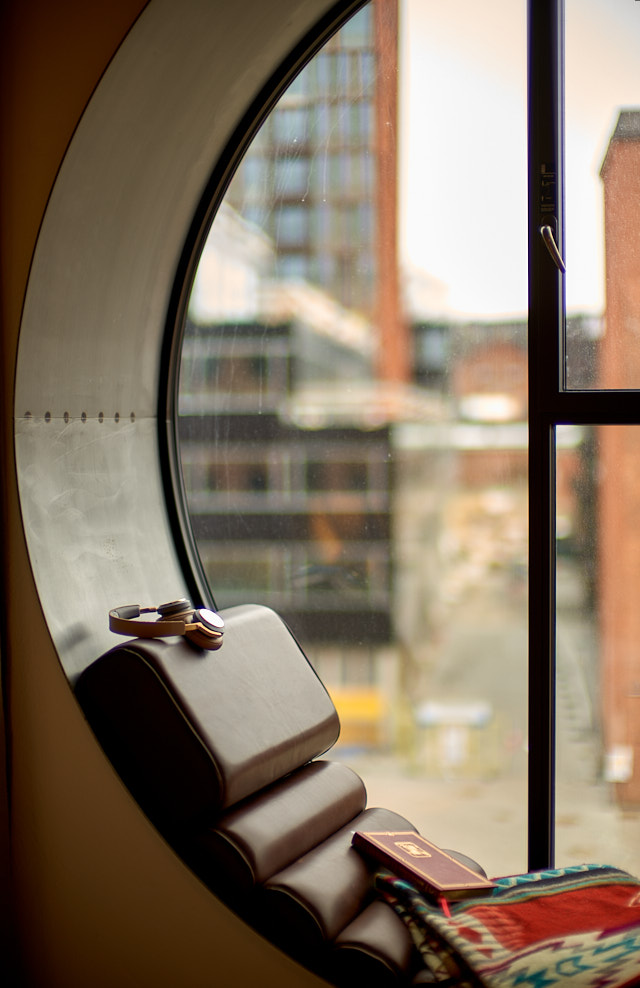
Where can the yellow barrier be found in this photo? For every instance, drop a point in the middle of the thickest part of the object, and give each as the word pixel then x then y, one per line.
pixel 364 716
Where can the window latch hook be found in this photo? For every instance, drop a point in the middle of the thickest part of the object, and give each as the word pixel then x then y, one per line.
pixel 550 243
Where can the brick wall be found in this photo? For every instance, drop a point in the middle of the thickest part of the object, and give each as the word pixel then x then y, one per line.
pixel 619 467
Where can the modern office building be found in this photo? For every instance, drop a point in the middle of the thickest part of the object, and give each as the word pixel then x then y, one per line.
pixel 320 178
pixel 289 486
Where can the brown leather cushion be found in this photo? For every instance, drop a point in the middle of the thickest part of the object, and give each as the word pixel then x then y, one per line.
pixel 310 902
pixel 266 832
pixel 375 949
pixel 218 748
pixel 194 732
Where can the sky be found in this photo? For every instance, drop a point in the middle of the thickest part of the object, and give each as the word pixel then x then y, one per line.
pixel 463 197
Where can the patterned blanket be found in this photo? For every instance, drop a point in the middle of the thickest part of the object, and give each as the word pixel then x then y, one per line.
pixel 575 926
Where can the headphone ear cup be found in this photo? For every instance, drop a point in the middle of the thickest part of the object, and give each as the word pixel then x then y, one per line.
pixel 209 634
pixel 210 619
pixel 202 640
pixel 175 607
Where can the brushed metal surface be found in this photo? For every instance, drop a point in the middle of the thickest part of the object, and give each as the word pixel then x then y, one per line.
pixel 96 305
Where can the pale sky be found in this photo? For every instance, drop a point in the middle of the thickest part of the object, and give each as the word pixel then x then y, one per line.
pixel 463 144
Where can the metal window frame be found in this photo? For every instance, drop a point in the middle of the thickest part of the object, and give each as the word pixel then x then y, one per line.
pixel 550 404
pixel 545 340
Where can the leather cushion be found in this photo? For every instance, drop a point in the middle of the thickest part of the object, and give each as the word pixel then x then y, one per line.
pixel 375 949
pixel 193 732
pixel 266 832
pixel 311 901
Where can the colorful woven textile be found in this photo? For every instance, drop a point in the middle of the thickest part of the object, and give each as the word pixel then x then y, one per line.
pixel 575 926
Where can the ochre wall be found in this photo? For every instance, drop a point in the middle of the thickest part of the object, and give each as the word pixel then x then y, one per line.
pixel 51 58
pixel 97 899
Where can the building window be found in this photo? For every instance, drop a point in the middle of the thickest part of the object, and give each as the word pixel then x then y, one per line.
pixel 421 519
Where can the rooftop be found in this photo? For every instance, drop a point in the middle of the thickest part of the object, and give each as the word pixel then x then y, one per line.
pixel 627 129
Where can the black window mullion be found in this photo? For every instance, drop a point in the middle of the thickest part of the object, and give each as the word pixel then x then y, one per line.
pixel 597 408
pixel 546 332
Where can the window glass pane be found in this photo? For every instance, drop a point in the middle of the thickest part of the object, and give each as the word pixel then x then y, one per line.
pixel 322 120
pixel 292 226
pixel 291 177
pixel 290 126
pixel 354 442
pixel 357 32
pixel 602 194
pixel 598 646
pixel 294 267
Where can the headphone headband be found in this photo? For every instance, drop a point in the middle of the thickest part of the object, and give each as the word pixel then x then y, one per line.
pixel 201 626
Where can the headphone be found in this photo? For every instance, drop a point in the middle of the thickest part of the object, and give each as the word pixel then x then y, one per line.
pixel 202 627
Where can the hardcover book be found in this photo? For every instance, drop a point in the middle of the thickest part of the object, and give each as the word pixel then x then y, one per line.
pixel 411 856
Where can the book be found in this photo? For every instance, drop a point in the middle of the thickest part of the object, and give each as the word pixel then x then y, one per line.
pixel 411 856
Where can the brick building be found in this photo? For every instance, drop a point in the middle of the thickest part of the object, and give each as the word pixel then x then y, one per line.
pixel 619 465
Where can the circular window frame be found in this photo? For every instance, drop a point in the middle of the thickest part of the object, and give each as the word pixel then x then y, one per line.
pixel 96 365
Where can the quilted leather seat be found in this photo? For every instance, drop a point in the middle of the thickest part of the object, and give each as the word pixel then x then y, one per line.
pixel 223 751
